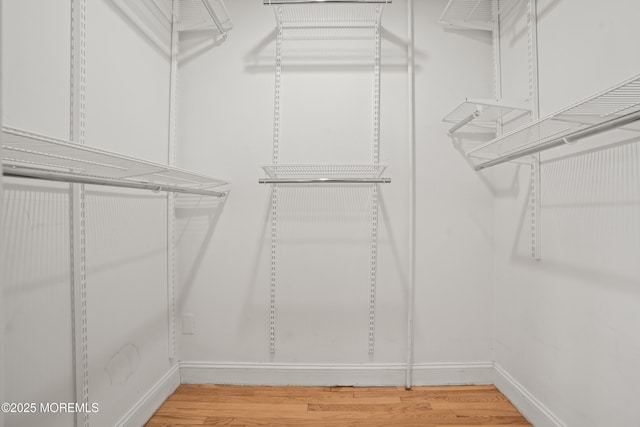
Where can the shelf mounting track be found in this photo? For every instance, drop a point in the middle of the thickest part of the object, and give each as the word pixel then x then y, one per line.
pixel 300 15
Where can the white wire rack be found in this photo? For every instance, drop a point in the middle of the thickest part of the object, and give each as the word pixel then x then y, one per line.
pixel 484 114
pixel 328 15
pixel 324 173
pixel 204 15
pixel 198 15
pixel 38 156
pixel 615 108
pixel 470 14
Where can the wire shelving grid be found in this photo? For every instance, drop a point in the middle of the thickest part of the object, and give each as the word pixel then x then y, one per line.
pixel 470 14
pixel 40 153
pixel 622 100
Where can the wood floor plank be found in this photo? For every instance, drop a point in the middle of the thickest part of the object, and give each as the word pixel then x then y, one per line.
pixel 304 422
pixel 288 390
pixel 457 406
pixel 173 421
pixel 476 398
pixel 277 400
pixel 440 405
pixel 356 407
pixel 213 409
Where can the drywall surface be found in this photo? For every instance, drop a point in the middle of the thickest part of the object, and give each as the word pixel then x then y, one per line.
pixel 2 344
pixel 36 278
pixel 454 233
pixel 566 326
pixel 323 258
pixel 127 80
pixel 127 111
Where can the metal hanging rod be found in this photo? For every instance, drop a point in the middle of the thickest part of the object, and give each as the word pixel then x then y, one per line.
pixel 26 172
pixel 471 117
pixel 271 2
pixel 567 139
pixel 324 180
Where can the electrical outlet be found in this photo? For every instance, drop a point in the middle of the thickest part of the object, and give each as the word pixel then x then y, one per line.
pixel 188 324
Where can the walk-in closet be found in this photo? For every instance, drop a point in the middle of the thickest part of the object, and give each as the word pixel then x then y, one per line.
pixel 319 212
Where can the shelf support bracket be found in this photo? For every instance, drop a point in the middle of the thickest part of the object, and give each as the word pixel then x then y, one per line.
pixel 171 197
pixel 274 189
pixel 373 274
pixel 78 213
pixel 534 98
pixel 534 200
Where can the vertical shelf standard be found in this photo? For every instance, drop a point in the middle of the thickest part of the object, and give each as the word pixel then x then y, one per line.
pixel 319 20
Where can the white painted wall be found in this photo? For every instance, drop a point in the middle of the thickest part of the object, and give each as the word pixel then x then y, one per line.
pixel 127 111
pixel 454 235
pixel 566 327
pixel 36 290
pixel 2 344
pixel 225 128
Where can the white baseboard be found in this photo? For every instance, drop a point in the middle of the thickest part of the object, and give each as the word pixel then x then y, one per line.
pixel 533 410
pixel 330 375
pixel 452 373
pixel 140 413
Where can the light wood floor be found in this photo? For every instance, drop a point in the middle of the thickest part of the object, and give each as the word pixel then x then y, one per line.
pixel 337 406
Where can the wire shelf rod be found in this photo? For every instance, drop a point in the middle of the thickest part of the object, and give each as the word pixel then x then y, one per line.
pixel 303 173
pixel 324 180
pixel 55 155
pixel 24 172
pixel 336 26
pixel 567 139
pixel 616 101
pixel 471 117
pixel 279 2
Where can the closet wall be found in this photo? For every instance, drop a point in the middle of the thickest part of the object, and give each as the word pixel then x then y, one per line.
pixel 226 102
pixel 127 81
pixel 36 291
pixel 566 326
pixel 2 249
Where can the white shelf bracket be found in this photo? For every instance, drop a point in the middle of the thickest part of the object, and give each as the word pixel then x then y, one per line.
pixel 78 213
pixel 274 189
pixel 374 202
pixel 534 200
pixel 534 97
pixel 497 62
pixel 171 197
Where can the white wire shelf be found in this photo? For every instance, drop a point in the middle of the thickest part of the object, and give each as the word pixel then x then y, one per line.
pixel 276 2
pixel 338 15
pixel 324 173
pixel 196 15
pixel 470 14
pixel 615 108
pixel 42 157
pixel 483 114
